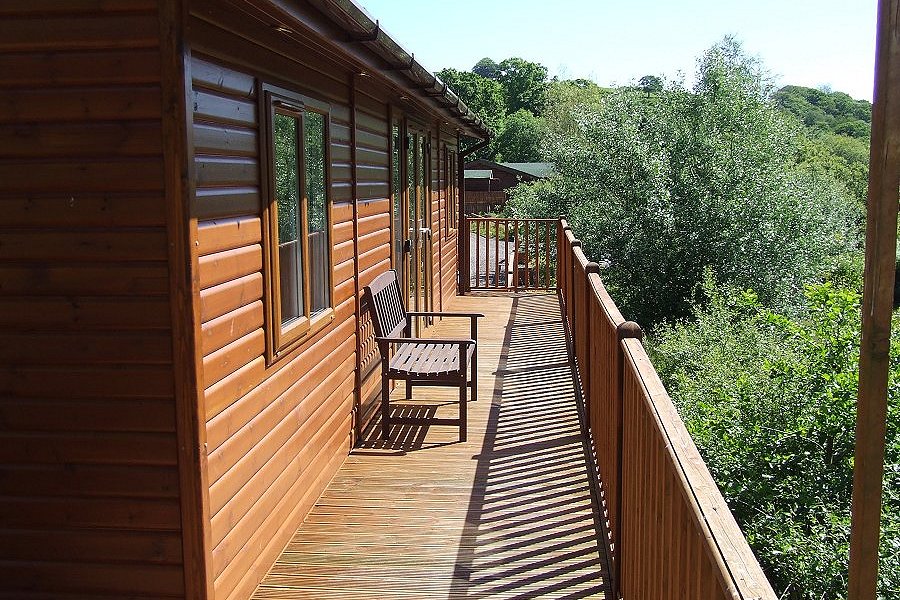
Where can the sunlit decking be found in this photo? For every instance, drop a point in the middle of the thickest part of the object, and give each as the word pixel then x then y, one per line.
pixel 507 514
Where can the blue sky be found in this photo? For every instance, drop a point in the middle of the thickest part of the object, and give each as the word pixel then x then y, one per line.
pixel 802 42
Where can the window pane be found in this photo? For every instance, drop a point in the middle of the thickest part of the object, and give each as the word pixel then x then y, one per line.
pixel 287 194
pixel 397 206
pixel 317 211
pixel 424 207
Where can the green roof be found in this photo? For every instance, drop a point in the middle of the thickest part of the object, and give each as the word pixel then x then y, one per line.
pixel 537 169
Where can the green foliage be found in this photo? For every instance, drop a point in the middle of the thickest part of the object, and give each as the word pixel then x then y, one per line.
pixel 770 401
pixel 668 186
pixel 484 96
pixel 524 85
pixel 509 97
pixel 566 99
pixel 486 67
pixel 844 158
pixel 521 138
pixel 824 110
pixel 838 129
pixel 651 84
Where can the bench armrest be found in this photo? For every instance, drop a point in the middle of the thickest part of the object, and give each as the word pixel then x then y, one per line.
pixel 428 341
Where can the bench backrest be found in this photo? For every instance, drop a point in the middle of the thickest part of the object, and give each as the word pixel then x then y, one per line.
pixel 386 304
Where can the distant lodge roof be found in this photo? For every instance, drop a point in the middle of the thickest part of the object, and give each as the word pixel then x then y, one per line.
pixel 484 169
pixel 536 169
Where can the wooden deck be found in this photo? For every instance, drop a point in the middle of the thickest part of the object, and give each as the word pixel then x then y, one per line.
pixel 507 514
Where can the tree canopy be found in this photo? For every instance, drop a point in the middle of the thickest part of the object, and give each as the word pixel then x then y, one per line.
pixel 828 111
pixel 521 138
pixel 665 188
pixel 524 85
pixel 484 96
pixel 510 97
pixel 486 67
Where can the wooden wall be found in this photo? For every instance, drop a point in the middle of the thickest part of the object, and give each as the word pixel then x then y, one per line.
pixel 448 247
pixel 276 432
pixel 89 486
pixel 90 502
pixel 373 174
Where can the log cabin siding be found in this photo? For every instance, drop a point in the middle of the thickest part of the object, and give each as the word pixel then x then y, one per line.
pixel 374 226
pixel 96 444
pixel 89 486
pixel 449 247
pixel 276 432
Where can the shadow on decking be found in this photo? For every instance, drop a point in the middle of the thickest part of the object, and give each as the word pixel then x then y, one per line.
pixel 531 527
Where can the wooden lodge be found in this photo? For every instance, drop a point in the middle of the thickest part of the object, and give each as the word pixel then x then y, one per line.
pixel 174 398
pixel 193 196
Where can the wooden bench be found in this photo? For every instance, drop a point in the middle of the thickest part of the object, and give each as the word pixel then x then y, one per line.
pixel 419 361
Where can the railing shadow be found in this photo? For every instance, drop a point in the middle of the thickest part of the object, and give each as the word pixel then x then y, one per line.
pixel 531 526
pixel 403 437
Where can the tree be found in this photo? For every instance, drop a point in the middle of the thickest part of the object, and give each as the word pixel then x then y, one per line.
pixel 651 84
pixel 524 85
pixel 487 68
pixel 521 138
pixel 484 96
pixel 694 180
pixel 566 98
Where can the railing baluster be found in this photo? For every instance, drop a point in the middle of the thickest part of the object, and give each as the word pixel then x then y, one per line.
pixel 527 257
pixel 515 267
pixel 545 280
pixel 496 253
pixel 477 253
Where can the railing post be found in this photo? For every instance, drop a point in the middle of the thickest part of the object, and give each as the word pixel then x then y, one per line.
pixel 587 314
pixel 560 237
pixel 465 274
pixel 626 330
pixel 570 291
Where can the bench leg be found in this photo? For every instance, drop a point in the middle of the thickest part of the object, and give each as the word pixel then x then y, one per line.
pixel 385 406
pixel 475 375
pixel 409 387
pixel 463 384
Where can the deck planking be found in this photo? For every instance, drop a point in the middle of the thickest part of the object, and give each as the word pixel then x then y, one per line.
pixel 508 514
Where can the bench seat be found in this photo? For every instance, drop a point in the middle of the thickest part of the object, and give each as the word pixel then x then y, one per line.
pixel 419 361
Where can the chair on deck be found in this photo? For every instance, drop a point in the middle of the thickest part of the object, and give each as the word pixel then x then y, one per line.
pixel 419 361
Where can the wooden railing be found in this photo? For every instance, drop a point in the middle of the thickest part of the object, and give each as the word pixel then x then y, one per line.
pixel 671 534
pixel 509 254
pixel 480 203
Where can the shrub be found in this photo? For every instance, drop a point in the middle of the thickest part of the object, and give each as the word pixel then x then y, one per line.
pixel 771 402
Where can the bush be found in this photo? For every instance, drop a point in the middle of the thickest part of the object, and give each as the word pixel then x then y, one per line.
pixel 770 401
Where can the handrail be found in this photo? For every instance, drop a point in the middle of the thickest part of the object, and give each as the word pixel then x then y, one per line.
pixel 670 532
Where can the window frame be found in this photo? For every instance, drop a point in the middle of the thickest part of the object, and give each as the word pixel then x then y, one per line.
pixel 452 183
pixel 282 338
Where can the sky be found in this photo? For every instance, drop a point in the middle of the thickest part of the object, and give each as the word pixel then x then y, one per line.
pixel 801 42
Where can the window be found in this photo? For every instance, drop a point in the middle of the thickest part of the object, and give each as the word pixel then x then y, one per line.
pixel 298 247
pixel 452 199
pixel 397 199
